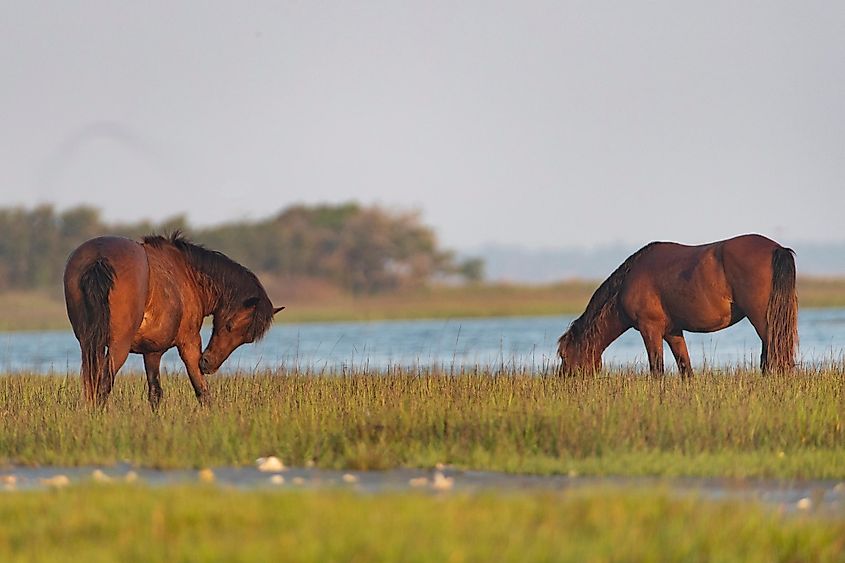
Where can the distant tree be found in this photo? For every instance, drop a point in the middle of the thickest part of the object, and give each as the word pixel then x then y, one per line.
pixel 471 269
pixel 361 249
pixel 14 247
pixel 80 223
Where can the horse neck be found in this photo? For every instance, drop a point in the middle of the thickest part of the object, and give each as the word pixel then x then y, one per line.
pixel 173 266
pixel 209 293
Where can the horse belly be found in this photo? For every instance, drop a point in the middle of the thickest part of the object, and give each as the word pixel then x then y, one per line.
pixel 700 299
pixel 154 335
pixel 704 315
pixel 708 324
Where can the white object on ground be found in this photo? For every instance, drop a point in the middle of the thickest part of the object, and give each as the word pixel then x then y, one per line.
pixel 100 477
pixel 57 481
pixel 442 483
pixel 270 464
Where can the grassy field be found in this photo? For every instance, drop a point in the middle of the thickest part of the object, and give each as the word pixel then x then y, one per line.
pixel 213 524
pixel 38 311
pixel 717 424
pixel 30 310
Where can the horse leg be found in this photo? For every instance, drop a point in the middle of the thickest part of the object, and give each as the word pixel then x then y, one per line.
pixel 116 357
pixel 653 340
pixel 758 321
pixel 191 352
pixel 152 362
pixel 678 345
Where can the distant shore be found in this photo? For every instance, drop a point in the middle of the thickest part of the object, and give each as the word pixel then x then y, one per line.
pixel 34 310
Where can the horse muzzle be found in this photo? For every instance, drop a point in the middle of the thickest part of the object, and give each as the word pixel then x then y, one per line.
pixel 206 367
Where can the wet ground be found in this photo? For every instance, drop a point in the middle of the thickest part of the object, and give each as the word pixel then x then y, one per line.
pixel 819 496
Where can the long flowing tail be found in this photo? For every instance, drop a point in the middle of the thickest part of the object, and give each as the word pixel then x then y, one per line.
pixel 782 314
pixel 96 283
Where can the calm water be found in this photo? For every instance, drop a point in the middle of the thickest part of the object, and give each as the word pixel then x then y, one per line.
pixel 525 342
pixel 828 497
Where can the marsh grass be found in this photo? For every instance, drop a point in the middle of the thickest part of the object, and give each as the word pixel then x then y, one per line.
pixel 720 423
pixel 193 523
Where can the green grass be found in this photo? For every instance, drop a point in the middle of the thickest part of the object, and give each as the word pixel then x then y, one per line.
pixel 123 523
pixel 717 424
pixel 39 310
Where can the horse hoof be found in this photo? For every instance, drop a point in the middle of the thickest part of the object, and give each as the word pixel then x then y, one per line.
pixel 204 399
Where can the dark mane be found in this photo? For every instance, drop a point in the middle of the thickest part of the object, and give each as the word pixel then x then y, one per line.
pixel 231 282
pixel 584 330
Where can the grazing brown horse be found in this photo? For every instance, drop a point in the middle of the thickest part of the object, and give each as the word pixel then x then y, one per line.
pixel 123 296
pixel 666 288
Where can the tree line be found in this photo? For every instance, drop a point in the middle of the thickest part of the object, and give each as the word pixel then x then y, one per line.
pixel 362 249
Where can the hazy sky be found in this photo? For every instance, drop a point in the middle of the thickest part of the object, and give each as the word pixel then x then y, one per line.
pixel 535 123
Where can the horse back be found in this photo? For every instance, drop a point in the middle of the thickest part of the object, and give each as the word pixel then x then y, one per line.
pixel 672 275
pixel 701 288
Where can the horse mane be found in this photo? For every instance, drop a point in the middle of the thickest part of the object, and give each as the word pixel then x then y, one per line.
pixel 232 283
pixel 585 330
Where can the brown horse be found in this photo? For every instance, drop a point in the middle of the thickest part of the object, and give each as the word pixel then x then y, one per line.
pixel 666 288
pixel 123 296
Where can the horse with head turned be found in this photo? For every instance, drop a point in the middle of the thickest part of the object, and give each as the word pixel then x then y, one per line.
pixel 666 288
pixel 146 297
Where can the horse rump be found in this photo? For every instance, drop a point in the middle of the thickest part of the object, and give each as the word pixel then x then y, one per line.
pixel 95 283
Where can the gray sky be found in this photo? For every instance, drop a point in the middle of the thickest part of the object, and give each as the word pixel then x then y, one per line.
pixel 535 123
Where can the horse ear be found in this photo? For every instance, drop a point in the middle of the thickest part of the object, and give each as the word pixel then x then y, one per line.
pixel 277 309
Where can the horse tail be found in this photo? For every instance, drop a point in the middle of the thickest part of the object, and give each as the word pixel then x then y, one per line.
pixel 782 314
pixel 96 282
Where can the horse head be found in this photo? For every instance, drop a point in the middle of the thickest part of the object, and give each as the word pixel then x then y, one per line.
pixel 234 326
pixel 575 357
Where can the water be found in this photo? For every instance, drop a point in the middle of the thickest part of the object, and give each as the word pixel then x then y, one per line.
pixel 824 497
pixel 521 343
